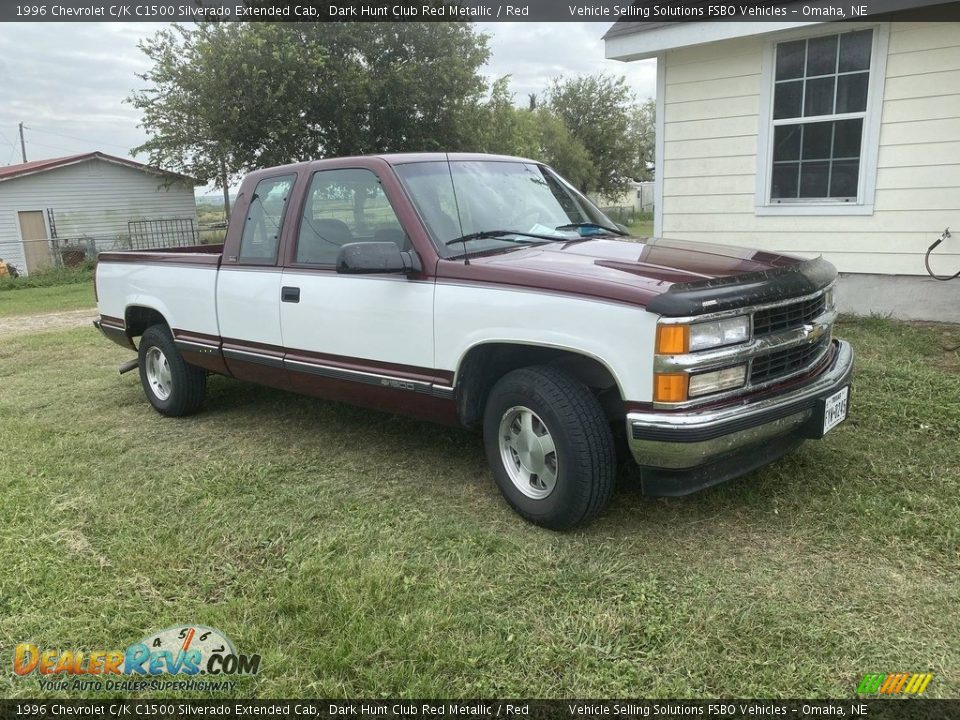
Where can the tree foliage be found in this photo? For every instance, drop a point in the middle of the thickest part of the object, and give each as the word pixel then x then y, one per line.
pixel 261 94
pixel 253 95
pixel 533 132
pixel 643 137
pixel 597 109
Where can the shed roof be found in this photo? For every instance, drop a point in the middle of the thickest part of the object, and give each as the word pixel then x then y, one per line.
pixel 9 172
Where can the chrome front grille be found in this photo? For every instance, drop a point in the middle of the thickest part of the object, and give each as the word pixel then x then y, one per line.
pixel 786 317
pixel 783 363
pixel 788 339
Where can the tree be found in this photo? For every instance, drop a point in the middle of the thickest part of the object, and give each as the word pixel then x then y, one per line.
pixel 259 94
pixel 225 94
pixel 506 129
pixel 533 132
pixel 643 136
pixel 597 110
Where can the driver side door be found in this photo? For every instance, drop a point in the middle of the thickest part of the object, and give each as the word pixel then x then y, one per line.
pixel 364 339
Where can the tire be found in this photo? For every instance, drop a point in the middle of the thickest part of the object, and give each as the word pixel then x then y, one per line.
pixel 172 387
pixel 531 410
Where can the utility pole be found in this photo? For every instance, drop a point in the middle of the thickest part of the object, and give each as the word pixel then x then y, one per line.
pixel 23 147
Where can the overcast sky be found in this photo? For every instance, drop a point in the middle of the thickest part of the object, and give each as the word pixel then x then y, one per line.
pixel 66 81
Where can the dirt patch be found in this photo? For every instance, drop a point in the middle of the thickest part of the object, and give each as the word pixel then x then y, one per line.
pixel 21 324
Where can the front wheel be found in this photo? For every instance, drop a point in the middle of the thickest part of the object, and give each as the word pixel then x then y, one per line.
pixel 172 387
pixel 549 446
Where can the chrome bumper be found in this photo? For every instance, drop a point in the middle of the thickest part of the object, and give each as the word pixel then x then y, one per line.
pixel 679 441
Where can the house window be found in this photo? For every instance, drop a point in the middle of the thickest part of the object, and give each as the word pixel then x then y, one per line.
pixel 819 118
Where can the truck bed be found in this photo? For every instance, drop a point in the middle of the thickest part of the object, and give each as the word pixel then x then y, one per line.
pixel 178 283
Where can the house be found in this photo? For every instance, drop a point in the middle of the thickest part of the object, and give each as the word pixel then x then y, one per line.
pixel 840 139
pixel 88 199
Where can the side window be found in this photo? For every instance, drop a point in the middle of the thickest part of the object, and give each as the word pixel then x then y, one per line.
pixel 261 231
pixel 345 206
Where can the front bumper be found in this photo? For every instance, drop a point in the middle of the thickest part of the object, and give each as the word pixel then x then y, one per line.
pixel 681 452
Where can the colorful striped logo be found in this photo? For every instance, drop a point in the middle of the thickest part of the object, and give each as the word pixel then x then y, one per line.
pixel 894 683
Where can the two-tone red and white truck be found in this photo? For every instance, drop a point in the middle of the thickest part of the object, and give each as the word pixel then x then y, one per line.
pixel 486 291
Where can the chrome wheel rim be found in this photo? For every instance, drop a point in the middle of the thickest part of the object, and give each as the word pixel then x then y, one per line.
pixel 528 452
pixel 158 373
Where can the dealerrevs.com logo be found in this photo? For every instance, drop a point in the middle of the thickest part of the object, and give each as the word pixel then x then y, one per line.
pixel 181 651
pixel 894 683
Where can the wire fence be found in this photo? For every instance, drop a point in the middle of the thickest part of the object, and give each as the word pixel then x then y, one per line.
pixel 626 214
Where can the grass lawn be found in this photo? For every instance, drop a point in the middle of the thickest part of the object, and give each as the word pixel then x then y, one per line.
pixel 367 555
pixel 642 228
pixel 36 300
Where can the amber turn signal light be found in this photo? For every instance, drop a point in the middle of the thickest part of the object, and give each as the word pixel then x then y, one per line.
pixel 672 339
pixel 670 387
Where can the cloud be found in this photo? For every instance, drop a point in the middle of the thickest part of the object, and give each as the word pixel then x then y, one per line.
pixel 534 53
pixel 67 81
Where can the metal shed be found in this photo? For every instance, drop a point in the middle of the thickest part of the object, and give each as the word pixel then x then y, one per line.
pixel 88 202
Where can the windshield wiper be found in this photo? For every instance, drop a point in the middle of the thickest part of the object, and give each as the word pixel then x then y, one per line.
pixel 499 234
pixel 577 226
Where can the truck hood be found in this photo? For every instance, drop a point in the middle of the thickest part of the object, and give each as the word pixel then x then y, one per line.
pixel 634 272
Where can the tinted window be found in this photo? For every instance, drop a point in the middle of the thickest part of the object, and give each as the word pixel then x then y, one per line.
pixel 345 206
pixel 261 230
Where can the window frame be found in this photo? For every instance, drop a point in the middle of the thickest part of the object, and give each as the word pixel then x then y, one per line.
pixel 870 137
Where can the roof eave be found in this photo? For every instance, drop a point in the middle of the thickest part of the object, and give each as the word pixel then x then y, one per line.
pixel 96 155
pixel 628 47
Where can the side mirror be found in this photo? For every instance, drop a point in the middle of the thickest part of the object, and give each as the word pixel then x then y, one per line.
pixel 376 257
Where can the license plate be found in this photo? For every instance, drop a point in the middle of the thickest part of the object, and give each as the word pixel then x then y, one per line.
pixel 835 409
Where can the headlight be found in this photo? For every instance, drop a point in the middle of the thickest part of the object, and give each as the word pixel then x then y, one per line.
pixel 728 331
pixel 680 339
pixel 712 382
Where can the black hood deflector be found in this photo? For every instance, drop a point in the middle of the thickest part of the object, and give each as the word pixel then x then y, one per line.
pixel 729 293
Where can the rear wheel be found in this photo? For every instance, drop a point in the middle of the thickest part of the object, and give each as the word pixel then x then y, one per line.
pixel 172 387
pixel 550 447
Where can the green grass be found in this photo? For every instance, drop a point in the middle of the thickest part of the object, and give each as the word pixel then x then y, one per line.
pixel 641 228
pixel 49 278
pixel 47 299
pixel 368 555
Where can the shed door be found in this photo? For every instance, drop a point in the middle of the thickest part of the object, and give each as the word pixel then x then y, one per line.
pixel 33 232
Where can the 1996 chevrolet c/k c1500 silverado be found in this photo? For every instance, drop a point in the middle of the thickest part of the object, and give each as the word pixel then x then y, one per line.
pixel 486 291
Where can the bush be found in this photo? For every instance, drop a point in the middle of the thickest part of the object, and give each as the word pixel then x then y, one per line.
pixel 81 273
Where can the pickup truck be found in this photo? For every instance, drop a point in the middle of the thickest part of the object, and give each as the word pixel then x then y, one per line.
pixel 486 291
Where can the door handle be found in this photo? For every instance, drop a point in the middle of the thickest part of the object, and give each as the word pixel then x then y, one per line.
pixel 290 294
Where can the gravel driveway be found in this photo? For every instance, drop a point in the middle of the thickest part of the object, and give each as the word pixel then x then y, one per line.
pixel 20 324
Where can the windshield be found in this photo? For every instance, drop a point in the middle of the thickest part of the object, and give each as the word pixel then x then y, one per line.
pixel 497 195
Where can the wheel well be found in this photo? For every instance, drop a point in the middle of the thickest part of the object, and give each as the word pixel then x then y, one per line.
pixel 138 318
pixel 484 365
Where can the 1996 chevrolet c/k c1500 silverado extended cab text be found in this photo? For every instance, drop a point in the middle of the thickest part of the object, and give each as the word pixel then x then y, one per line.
pixel 486 291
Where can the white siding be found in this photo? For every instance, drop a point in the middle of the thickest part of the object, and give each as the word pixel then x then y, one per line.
pixel 92 198
pixel 711 124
